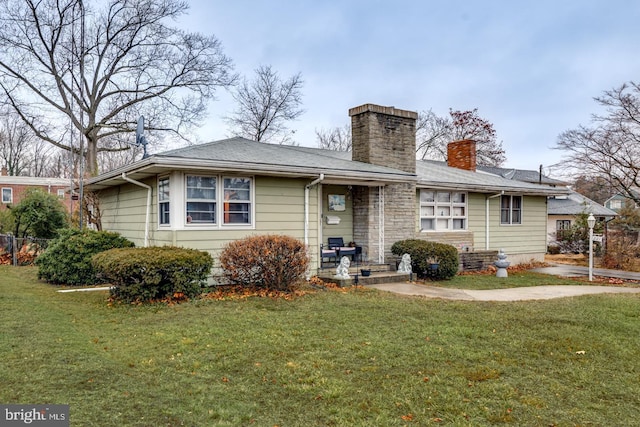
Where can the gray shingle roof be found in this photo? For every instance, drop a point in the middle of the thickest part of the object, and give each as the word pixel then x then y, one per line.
pixel 436 174
pixel 247 152
pixel 524 175
pixel 243 155
pixel 576 204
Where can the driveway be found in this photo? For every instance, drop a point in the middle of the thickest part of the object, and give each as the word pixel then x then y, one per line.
pixel 521 294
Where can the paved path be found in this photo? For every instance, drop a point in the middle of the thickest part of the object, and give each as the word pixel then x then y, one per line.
pixel 521 294
pixel 512 294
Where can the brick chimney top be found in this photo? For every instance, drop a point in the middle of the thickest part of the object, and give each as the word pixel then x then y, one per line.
pixel 4 171
pixel 462 154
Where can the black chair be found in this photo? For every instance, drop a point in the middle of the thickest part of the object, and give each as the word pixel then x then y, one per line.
pixel 337 244
pixel 328 253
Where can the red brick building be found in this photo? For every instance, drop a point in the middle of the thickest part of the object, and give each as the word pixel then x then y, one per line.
pixel 12 188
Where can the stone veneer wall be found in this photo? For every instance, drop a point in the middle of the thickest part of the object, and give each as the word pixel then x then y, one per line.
pixel 384 136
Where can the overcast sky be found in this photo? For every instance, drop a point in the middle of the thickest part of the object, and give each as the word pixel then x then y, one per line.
pixel 531 68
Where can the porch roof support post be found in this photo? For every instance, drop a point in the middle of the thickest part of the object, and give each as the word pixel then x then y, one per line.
pixel 306 206
pixel 381 224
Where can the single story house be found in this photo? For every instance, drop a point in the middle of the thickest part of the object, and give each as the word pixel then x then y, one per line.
pixel 563 211
pixel 206 195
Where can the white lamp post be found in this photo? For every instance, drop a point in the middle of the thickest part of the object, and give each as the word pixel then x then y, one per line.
pixel 591 222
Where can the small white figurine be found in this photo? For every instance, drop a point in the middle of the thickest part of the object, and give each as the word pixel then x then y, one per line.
pixel 342 271
pixel 405 264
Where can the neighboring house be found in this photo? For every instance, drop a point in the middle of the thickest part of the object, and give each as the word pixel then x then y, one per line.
pixel 12 188
pixel 563 211
pixel 618 201
pixel 206 195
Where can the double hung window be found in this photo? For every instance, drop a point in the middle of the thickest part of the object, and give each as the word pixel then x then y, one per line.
pixel 201 199
pixel 164 217
pixel 511 210
pixel 205 200
pixel 237 201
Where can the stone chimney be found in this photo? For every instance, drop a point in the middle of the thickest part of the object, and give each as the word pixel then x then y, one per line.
pixel 462 154
pixel 384 136
pixel 4 171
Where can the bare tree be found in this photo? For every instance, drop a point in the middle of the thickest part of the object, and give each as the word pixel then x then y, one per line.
pixel 338 138
pixel 266 105
pixel 64 64
pixel 433 133
pixel 610 146
pixel 16 141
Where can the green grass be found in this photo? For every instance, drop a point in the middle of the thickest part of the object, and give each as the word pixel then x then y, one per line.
pixel 516 279
pixel 359 358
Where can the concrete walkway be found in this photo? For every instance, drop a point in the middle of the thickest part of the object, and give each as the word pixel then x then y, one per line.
pixel 521 294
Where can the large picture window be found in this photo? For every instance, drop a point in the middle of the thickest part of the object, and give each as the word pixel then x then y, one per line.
pixel 511 210
pixel 201 199
pixel 164 217
pixel 443 210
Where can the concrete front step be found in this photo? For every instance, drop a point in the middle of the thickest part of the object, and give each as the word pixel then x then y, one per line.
pixel 375 278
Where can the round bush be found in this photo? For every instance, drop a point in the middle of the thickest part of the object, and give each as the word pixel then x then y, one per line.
pixel 423 253
pixel 154 273
pixel 67 259
pixel 272 262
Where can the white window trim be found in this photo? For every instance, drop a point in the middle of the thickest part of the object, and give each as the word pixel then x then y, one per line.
pixel 178 203
pixel 451 204
pixel 251 202
pixel 183 206
pixel 511 223
pixel 10 195
pixel 171 203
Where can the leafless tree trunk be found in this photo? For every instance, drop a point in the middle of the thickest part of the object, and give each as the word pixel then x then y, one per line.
pixel 266 105
pixel 64 64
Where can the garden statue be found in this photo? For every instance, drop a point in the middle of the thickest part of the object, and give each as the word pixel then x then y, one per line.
pixel 405 264
pixel 502 264
pixel 342 271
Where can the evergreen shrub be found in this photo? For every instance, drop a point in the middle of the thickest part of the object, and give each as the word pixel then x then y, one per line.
pixel 424 253
pixel 67 259
pixel 154 273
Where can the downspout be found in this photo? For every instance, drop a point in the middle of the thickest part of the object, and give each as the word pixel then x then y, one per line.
pixel 306 207
pixel 486 217
pixel 146 221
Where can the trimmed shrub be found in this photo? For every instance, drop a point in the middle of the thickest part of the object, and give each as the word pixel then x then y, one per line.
pixel 67 259
pixel 272 262
pixel 154 273
pixel 423 253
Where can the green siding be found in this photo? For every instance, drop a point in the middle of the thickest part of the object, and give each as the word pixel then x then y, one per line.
pixel 345 228
pixel 279 209
pixel 528 237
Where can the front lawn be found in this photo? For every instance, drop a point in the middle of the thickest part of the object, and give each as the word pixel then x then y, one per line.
pixel 353 357
pixel 520 278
